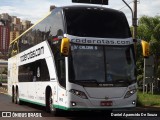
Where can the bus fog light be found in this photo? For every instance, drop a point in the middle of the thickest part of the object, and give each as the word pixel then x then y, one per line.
pixel 73 103
pixel 133 102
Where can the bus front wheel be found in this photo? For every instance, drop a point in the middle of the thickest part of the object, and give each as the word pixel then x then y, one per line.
pixel 49 105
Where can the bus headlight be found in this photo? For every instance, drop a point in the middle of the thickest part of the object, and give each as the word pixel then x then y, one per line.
pixel 130 93
pixel 79 93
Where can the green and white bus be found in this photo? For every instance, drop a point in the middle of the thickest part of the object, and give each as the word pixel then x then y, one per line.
pixel 76 58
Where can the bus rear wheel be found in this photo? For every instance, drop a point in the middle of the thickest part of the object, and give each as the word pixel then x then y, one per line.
pixel 14 97
pixel 18 101
pixel 12 94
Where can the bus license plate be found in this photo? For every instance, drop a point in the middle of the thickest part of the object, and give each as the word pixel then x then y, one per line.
pixel 106 103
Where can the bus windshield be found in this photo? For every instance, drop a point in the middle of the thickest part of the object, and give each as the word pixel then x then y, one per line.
pixel 102 64
pixel 96 22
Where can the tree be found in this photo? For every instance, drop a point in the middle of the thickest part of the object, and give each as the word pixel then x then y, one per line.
pixel 149 30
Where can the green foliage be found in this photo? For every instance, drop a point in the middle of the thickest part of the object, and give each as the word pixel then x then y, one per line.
pixel 158 71
pixel 149 30
pixel 139 62
pixel 139 79
pixel 148 99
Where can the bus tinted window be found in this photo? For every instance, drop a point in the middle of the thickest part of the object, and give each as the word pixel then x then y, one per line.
pixel 95 22
pixel 101 64
pixel 49 28
pixel 35 71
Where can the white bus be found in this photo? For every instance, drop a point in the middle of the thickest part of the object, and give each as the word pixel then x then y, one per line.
pixel 76 58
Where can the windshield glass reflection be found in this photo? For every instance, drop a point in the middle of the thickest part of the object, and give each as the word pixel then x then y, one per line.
pixel 101 64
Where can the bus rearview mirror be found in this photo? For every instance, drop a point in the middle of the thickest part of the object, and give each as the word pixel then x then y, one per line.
pixel 65 47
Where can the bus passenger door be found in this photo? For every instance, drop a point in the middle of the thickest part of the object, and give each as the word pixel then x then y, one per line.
pixel 62 81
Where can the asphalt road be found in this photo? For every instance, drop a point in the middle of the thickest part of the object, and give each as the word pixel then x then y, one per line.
pixel 7 106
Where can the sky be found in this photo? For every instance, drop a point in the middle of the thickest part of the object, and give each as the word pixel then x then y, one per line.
pixel 34 10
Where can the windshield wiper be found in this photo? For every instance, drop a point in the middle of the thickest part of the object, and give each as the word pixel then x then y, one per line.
pixel 87 83
pixel 124 81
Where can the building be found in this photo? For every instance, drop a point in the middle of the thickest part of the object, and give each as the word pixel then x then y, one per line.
pixel 10 28
pixel 16 24
pixel 26 24
pixel 5 16
pixel 4 39
pixel 14 34
pixel 16 20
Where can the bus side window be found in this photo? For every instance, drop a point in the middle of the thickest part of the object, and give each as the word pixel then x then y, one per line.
pixel 35 68
pixel 61 72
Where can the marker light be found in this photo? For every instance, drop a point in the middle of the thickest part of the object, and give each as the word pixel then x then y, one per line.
pixel 133 102
pixel 55 39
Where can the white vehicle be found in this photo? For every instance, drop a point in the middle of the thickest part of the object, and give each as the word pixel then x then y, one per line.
pixel 76 58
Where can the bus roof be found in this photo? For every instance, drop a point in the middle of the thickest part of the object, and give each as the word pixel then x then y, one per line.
pixel 91 7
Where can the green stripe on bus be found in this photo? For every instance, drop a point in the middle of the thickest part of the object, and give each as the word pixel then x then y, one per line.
pixel 33 102
pixel 61 107
pixel 79 109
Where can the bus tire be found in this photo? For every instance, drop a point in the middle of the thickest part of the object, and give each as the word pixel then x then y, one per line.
pixel 13 95
pixel 49 104
pixel 17 98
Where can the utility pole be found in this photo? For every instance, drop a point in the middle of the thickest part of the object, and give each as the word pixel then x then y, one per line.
pixel 135 20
